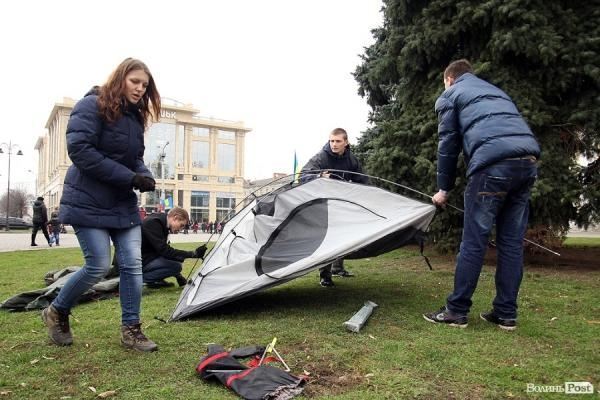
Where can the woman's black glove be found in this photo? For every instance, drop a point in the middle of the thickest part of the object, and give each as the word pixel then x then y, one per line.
pixel 143 183
pixel 200 251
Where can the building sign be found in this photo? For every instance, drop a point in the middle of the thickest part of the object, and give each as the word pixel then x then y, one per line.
pixel 168 114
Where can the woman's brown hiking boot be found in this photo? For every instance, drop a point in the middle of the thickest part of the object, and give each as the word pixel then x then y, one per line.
pixel 58 326
pixel 133 338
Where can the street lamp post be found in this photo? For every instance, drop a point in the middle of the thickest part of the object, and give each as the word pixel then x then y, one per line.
pixel 162 156
pixel 9 148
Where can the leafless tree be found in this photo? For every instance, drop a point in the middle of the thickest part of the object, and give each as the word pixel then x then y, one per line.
pixel 20 200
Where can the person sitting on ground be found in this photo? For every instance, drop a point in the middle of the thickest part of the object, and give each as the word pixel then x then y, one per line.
pixel 335 155
pixel 159 259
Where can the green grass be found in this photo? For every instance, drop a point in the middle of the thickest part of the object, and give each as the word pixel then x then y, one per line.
pixel 582 242
pixel 397 355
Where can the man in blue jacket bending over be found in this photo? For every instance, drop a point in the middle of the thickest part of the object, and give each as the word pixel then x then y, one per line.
pixel 501 154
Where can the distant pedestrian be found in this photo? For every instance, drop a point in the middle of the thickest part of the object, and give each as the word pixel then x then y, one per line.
pixel 40 220
pixel 54 225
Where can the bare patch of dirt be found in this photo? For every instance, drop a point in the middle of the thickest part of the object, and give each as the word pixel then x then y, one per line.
pixel 571 258
pixel 329 379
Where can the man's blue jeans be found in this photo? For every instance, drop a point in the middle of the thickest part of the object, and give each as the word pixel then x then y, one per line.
pixel 161 268
pixel 498 194
pixel 95 245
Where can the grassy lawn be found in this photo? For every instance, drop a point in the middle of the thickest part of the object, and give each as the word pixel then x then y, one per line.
pixel 397 355
pixel 582 242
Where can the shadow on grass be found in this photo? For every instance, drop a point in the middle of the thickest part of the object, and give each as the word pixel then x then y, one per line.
pixel 307 295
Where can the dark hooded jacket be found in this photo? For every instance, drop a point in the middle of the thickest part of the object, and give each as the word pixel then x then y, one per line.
pixel 155 243
pixel 40 213
pixel 327 159
pixel 481 120
pixel 98 188
pixel 54 221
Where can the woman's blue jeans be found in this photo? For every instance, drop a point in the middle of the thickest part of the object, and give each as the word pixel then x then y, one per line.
pixel 95 245
pixel 498 194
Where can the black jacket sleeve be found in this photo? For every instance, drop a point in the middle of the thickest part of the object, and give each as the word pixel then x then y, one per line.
pixel 153 233
pixel 44 215
pixel 358 168
pixel 315 163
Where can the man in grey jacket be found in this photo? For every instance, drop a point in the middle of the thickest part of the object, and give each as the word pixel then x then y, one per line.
pixel 501 153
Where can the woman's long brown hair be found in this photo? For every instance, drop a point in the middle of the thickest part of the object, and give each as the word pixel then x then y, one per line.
pixel 111 99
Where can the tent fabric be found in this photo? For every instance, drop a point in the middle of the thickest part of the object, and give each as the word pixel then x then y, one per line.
pixel 55 280
pixel 296 229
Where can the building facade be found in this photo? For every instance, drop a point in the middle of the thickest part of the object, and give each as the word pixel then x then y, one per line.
pixel 260 187
pixel 197 162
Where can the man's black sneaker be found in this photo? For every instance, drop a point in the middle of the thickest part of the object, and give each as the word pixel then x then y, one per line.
pixel 326 282
pixel 33 244
pixel 159 284
pixel 343 273
pixel 445 316
pixel 506 324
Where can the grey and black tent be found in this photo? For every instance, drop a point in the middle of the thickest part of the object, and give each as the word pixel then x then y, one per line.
pixel 296 229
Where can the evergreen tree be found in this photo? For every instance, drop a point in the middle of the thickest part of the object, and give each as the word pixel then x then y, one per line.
pixel 544 54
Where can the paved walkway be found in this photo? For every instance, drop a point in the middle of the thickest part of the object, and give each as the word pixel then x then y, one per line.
pixel 21 240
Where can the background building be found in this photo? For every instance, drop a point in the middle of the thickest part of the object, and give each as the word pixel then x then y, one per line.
pixel 260 187
pixel 198 162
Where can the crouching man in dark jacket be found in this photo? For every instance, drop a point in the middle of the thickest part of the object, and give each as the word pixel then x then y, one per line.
pixel 159 259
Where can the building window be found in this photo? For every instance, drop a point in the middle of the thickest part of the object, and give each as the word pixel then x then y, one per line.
pixel 226 179
pixel 225 206
pixel 227 135
pixel 200 131
pixel 200 178
pixel 200 154
pixel 160 136
pixel 180 145
pixel 180 177
pixel 152 200
pixel 225 202
pixel 180 198
pixel 226 156
pixel 168 203
pixel 199 206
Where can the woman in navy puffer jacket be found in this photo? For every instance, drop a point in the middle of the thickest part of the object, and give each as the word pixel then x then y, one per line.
pixel 105 141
